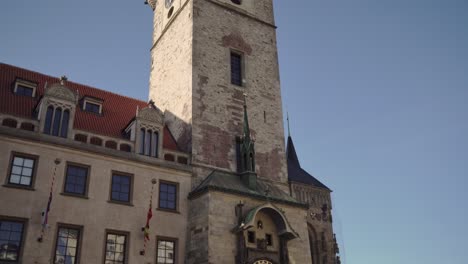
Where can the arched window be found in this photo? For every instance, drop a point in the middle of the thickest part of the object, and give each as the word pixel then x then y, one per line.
pixel 96 141
pixel 48 120
pixel 9 123
pixel 111 144
pixel 27 126
pixel 142 138
pixel 56 122
pixel 81 138
pixel 149 143
pixel 64 128
pixel 125 147
pixel 156 144
pixel 169 157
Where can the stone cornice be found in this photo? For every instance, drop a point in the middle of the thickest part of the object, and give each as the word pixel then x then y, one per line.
pixel 71 144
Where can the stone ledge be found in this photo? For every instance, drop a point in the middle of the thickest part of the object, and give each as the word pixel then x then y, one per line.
pixel 75 145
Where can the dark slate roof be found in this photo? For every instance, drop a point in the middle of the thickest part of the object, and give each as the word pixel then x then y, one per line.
pixel 295 172
pixel 231 183
pixel 118 110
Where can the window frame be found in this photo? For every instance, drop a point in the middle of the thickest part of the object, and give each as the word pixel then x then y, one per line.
pixel 86 186
pixel 94 102
pixel 167 239
pixel 130 194
pixel 79 242
pixel 254 236
pixel 127 243
pixel 26 84
pixel 149 140
pixel 233 52
pixel 176 202
pixel 56 124
pixel 33 174
pixel 25 223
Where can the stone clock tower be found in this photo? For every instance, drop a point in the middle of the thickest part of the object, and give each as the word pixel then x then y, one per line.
pixel 193 47
pixel 215 75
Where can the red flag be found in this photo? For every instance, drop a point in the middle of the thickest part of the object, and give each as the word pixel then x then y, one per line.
pixel 148 218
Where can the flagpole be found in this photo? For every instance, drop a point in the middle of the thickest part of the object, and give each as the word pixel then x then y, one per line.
pixel 148 218
pixel 45 214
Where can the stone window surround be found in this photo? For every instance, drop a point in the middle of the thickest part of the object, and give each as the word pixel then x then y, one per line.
pixel 34 172
pixel 88 175
pixel 56 103
pixel 120 233
pixel 155 128
pixel 80 239
pixel 169 239
pixel 130 195
pixel 27 84
pixel 91 100
pixel 242 67
pixel 177 198
pixel 25 222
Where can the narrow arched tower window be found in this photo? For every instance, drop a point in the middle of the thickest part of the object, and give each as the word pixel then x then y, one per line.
pixel 48 120
pixel 56 124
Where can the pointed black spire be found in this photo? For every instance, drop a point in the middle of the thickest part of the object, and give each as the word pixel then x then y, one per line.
pixel 291 153
pixel 295 172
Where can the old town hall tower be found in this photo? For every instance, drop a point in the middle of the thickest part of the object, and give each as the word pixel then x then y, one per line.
pixel 198 174
pixel 214 71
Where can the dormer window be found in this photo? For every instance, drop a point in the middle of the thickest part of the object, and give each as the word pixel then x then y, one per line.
pixel 149 142
pixel 92 105
pixel 237 2
pixel 56 121
pixel 25 88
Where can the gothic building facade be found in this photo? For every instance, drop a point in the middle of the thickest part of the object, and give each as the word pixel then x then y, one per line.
pixel 199 174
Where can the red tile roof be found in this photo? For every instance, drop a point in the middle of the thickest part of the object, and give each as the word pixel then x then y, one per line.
pixel 117 110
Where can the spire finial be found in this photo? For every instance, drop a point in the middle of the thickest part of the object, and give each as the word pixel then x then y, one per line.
pixel 287 118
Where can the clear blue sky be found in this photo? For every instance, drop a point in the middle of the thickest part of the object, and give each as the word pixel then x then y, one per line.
pixel 377 93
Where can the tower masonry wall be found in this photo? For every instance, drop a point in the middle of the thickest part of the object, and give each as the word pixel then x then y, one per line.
pixel 171 68
pixel 218 104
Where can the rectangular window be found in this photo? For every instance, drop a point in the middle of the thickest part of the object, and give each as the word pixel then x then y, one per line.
pixel 11 238
pixel 251 236
pixel 168 196
pixel 236 69
pixel 121 186
pixel 25 88
pixel 22 170
pixel 92 107
pixel 116 248
pixel 76 179
pixel 166 250
pixel 67 245
pixel 269 240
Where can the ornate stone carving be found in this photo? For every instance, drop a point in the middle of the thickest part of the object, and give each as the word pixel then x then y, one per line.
pixel 59 91
pixel 151 114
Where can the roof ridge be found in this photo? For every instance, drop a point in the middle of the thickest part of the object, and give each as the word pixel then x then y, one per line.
pixel 81 84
